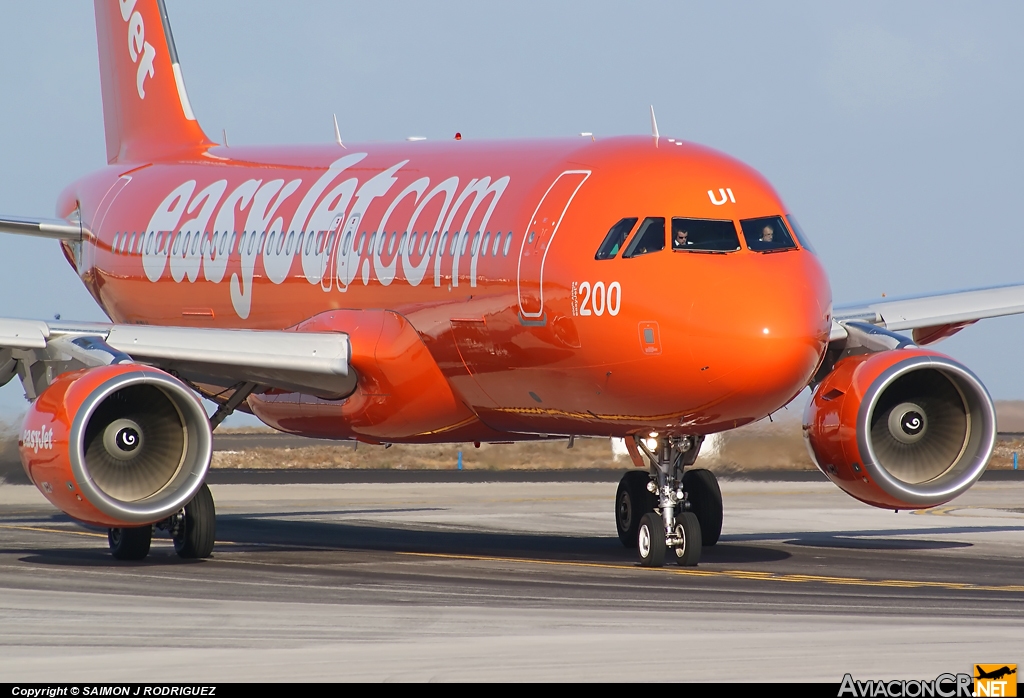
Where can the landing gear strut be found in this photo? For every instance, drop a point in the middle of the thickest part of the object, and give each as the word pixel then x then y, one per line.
pixel 193 530
pixel 667 510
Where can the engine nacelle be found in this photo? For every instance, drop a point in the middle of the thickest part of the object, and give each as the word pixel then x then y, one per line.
pixel 901 429
pixel 120 445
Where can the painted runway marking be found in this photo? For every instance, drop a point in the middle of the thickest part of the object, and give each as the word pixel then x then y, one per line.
pixel 40 529
pixel 753 575
pixel 742 574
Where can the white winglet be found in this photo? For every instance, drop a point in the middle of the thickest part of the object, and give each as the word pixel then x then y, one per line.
pixel 654 125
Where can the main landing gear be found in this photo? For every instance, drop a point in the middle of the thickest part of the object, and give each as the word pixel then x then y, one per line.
pixel 193 530
pixel 668 510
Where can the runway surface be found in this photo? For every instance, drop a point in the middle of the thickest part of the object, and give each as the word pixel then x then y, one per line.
pixel 516 580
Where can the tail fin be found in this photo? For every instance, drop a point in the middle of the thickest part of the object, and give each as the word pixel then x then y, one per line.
pixel 146 112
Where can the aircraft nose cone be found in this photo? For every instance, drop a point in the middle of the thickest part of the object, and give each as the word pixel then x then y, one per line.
pixel 757 336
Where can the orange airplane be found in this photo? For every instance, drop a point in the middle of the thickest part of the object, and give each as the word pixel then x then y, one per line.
pixel 423 292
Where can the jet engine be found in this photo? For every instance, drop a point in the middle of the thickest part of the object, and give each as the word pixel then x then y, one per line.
pixel 117 446
pixel 901 429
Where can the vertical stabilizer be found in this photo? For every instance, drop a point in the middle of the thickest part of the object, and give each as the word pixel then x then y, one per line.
pixel 146 112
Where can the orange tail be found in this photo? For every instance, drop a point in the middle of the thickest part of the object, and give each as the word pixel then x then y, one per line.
pixel 146 112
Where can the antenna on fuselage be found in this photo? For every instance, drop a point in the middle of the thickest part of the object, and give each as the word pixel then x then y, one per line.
pixel 337 133
pixel 654 126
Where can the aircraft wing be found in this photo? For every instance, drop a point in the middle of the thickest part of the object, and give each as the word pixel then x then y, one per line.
pixel 41 227
pixel 932 317
pixel 315 363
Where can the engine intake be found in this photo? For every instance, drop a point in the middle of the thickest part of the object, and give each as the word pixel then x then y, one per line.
pixel 901 429
pixel 117 445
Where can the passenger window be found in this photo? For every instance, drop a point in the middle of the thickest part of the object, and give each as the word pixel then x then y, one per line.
pixel 615 238
pixel 700 235
pixel 801 236
pixel 767 234
pixel 649 238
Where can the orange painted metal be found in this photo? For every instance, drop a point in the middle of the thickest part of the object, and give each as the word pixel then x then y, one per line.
pixel 475 260
pixel 44 440
pixel 830 424
pixel 739 333
pixel 401 393
pixel 142 110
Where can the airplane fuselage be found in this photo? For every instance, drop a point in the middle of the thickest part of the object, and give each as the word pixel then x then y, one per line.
pixel 485 252
pixel 458 291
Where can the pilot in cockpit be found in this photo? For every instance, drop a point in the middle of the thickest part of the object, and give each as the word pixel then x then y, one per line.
pixel 767 234
pixel 679 242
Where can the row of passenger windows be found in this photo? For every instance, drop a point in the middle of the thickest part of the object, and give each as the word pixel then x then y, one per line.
pixel 769 234
pixel 223 243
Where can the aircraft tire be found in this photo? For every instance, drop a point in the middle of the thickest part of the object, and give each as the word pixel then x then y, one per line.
pixel 130 543
pixel 651 541
pixel 688 528
pixel 632 501
pixel 705 497
pixel 198 531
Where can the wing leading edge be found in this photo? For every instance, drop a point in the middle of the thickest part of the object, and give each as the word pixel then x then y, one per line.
pixel 315 363
pixel 41 227
pixel 932 317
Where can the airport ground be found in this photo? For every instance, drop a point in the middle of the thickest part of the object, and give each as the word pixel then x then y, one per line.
pixel 468 576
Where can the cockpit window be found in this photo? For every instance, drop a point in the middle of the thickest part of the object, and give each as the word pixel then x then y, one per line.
pixel 649 238
pixel 615 238
pixel 767 234
pixel 801 236
pixel 700 235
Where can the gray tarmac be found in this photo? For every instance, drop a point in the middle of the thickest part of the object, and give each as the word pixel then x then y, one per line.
pixel 514 580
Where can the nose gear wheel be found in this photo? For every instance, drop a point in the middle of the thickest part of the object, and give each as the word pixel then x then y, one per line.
pixel 651 540
pixel 688 533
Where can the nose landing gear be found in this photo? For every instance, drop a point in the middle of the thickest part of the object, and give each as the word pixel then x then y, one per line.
pixel 668 510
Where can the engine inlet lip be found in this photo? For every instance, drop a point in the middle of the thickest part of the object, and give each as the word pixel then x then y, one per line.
pixel 157 507
pixel 944 487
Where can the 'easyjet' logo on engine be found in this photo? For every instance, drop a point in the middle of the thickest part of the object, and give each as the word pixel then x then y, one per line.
pixel 139 50
pixel 37 439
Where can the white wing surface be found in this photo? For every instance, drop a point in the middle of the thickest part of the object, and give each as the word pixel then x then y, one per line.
pixel 316 363
pixel 932 317
pixel 41 227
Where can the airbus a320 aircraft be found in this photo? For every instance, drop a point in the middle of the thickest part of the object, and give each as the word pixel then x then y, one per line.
pixel 423 292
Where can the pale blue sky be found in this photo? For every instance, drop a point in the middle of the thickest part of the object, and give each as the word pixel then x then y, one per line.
pixel 892 130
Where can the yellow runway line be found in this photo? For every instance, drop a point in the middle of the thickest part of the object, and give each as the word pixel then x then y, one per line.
pixel 754 575
pixel 40 529
pixel 740 574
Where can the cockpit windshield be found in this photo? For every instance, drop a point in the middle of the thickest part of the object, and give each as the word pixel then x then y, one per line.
pixel 701 235
pixel 767 234
pixel 801 236
pixel 649 238
pixel 615 238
